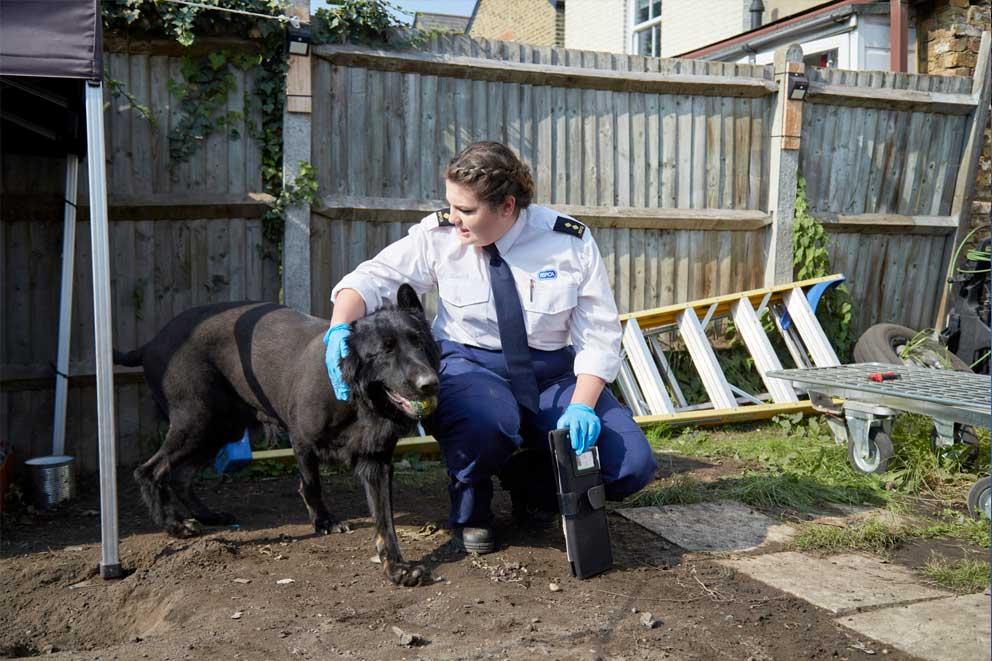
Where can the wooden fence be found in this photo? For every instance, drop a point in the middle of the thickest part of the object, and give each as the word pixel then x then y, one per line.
pixel 882 172
pixel 180 236
pixel 667 160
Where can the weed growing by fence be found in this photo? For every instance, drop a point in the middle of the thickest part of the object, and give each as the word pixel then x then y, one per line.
pixel 811 259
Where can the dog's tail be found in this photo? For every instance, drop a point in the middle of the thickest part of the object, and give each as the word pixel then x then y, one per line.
pixel 130 358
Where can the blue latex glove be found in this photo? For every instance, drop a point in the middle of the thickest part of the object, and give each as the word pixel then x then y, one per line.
pixel 583 426
pixel 335 339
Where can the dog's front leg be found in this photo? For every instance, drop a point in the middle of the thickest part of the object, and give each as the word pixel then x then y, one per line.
pixel 322 520
pixel 377 477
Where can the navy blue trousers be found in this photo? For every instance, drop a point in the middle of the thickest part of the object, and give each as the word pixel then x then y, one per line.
pixel 479 425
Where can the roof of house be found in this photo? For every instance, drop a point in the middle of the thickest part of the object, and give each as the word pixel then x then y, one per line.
pixel 423 20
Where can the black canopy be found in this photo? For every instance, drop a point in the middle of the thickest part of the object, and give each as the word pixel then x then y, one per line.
pixel 51 38
pixel 47 49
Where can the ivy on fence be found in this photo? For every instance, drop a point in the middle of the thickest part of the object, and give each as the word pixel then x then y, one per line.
pixel 207 81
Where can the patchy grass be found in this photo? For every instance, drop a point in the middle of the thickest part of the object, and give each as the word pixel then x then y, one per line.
pixel 955 525
pixel 966 576
pixel 794 464
pixel 763 490
pixel 917 469
pixel 872 536
pixel 416 473
pixel 682 490
pixel 800 492
pixel 793 467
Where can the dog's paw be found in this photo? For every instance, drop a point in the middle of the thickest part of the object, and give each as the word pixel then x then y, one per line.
pixel 407 574
pixel 327 525
pixel 185 529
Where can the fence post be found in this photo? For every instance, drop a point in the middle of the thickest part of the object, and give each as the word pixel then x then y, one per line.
pixel 296 149
pixel 964 185
pixel 783 167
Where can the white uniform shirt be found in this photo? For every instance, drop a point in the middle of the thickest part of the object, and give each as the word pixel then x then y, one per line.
pixel 560 278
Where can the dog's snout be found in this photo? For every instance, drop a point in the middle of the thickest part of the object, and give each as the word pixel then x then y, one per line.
pixel 426 383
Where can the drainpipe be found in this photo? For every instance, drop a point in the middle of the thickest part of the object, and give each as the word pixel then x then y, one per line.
pixel 756 10
pixel 898 35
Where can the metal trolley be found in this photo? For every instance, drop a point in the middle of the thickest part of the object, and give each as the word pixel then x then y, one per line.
pixel 864 419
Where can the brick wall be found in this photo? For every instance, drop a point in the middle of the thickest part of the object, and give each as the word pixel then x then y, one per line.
pixel 524 21
pixel 950 33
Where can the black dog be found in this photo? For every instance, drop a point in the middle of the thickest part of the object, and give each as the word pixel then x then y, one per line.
pixel 219 369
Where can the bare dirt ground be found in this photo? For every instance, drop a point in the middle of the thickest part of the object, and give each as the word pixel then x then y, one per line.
pixel 217 596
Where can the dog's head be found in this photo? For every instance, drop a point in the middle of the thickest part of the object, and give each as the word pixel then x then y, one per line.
pixel 392 359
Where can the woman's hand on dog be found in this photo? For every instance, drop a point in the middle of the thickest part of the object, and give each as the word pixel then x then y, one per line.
pixel 336 341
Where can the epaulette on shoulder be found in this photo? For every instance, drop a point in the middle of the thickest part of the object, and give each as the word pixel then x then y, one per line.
pixel 569 226
pixel 443 218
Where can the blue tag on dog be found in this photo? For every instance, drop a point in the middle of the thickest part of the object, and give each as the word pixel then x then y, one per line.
pixel 550 274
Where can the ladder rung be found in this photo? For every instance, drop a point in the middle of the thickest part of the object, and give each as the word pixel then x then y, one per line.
pixel 667 373
pixel 792 342
pixel 631 393
pixel 705 361
pixel 804 319
pixel 645 370
pixel 761 350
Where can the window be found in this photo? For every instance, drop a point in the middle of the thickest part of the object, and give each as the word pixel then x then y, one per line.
pixel 646 30
pixel 826 59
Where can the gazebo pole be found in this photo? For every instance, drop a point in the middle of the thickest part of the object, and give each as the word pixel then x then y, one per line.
pixel 110 565
pixel 65 303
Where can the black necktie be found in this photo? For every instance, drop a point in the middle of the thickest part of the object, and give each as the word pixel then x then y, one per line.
pixel 512 332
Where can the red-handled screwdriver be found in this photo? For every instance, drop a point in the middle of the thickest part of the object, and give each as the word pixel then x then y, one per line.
pixel 878 377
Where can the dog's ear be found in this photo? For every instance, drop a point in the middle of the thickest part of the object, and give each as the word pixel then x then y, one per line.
pixel 407 299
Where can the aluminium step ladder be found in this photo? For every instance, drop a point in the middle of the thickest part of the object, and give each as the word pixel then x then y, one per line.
pixel 649 385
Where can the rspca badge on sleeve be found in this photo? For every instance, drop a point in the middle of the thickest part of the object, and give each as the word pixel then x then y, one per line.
pixel 569 226
pixel 547 274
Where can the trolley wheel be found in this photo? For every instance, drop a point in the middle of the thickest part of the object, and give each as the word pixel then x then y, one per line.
pixel 980 499
pixel 963 435
pixel 879 453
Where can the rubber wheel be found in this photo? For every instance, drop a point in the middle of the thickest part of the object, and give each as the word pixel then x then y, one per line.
pixel 879 454
pixel 882 343
pixel 963 435
pixel 980 499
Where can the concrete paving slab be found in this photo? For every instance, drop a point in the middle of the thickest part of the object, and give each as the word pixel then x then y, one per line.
pixel 950 629
pixel 840 583
pixel 722 526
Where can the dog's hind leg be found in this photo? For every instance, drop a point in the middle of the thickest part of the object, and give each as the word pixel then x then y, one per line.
pixel 377 477
pixel 154 477
pixel 322 520
pixel 182 488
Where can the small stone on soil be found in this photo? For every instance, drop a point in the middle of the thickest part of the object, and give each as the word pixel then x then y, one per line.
pixel 285 581
pixel 237 615
pixel 243 581
pixel 409 639
pixel 648 620
pixel 554 587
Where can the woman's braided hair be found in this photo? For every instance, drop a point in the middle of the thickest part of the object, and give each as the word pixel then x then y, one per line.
pixel 493 172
